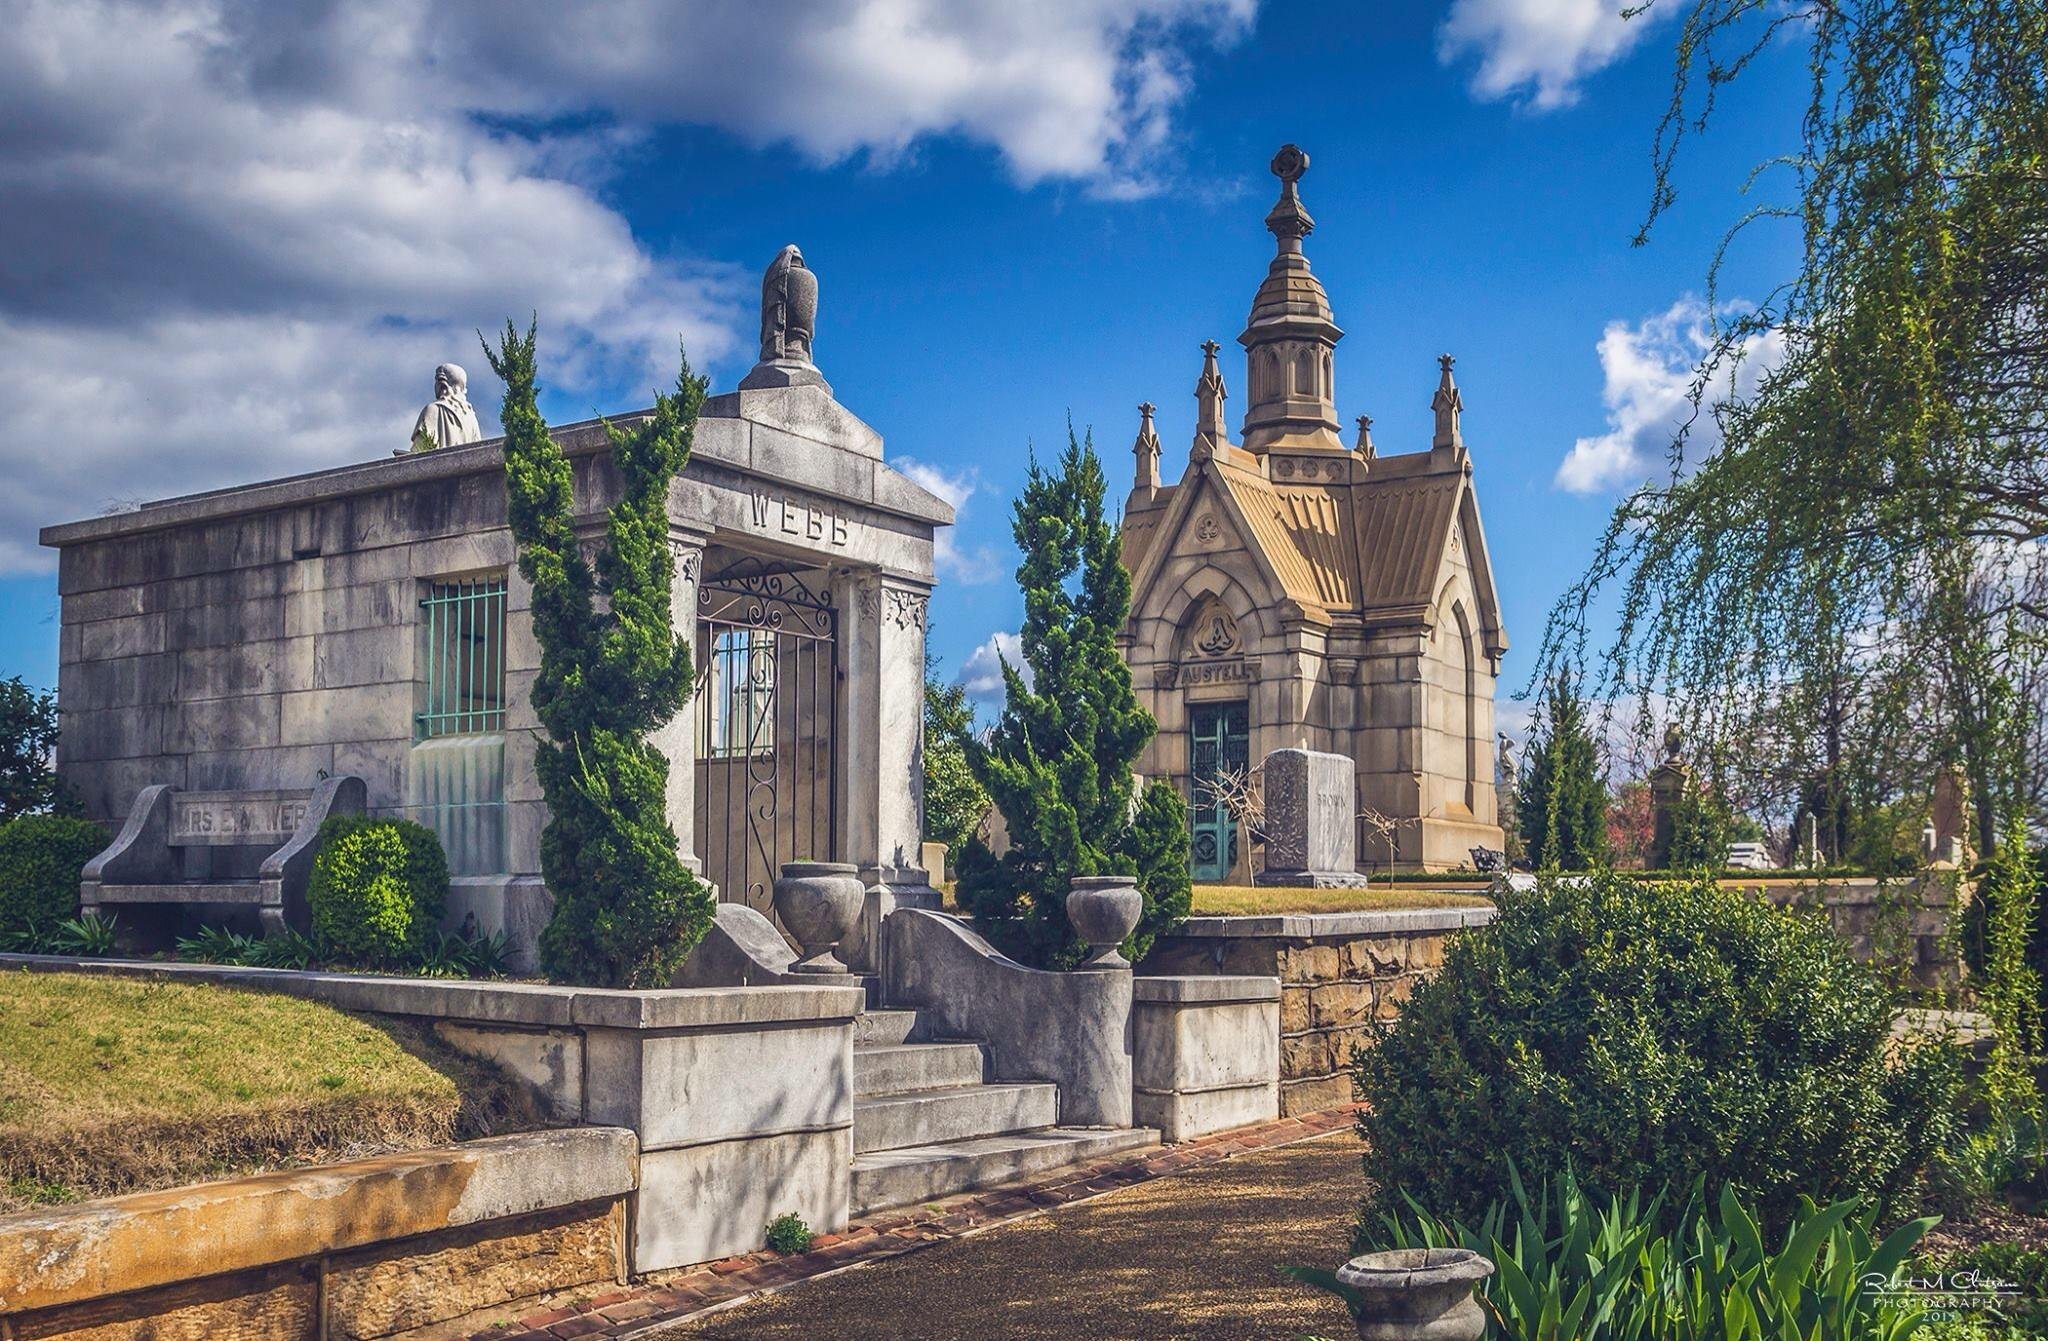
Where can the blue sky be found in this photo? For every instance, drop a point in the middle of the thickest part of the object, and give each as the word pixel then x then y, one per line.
pixel 245 235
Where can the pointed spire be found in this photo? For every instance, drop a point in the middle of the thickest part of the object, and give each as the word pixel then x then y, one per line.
pixel 1290 337
pixel 1448 405
pixel 1365 447
pixel 1146 449
pixel 1210 432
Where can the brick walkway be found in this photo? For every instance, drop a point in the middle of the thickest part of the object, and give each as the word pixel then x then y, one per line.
pixel 671 1296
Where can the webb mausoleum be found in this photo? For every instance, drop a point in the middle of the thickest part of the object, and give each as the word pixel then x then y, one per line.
pixel 225 656
pixel 1295 591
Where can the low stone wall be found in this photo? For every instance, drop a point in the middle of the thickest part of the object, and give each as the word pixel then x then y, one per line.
pixel 1337 972
pixel 368 1248
pixel 1901 925
pixel 1205 1053
pixel 741 1098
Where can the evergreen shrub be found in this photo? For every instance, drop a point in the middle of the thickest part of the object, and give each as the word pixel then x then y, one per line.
pixel 41 857
pixel 1650 1035
pixel 377 889
pixel 1058 764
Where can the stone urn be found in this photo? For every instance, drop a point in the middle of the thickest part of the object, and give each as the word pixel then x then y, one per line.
pixel 1417 1294
pixel 818 902
pixel 1102 909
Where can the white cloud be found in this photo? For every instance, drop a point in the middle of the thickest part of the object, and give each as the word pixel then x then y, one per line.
pixel 1081 89
pixel 982 675
pixel 968 565
pixel 239 236
pixel 1539 50
pixel 1649 367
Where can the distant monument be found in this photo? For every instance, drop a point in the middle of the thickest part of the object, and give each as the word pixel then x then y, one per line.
pixel 1669 782
pixel 789 316
pixel 450 420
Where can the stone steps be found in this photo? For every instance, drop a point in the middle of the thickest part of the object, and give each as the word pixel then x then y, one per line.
pixel 885 1178
pixel 902 1068
pixel 886 1028
pixel 933 1117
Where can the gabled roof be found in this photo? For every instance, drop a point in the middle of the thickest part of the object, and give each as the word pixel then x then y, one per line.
pixel 1374 547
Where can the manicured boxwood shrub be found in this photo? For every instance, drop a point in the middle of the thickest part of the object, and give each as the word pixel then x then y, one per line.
pixel 40 859
pixel 377 889
pixel 1649 1035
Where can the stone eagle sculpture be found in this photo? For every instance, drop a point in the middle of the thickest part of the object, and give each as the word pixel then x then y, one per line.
pixel 789 308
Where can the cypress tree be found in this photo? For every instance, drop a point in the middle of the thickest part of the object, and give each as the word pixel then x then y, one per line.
pixel 1058 764
pixel 1563 804
pixel 626 909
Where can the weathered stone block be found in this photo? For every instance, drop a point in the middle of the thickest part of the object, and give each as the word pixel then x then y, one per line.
pixel 1294 1009
pixel 395 1287
pixel 702 1202
pixel 1305 1055
pixel 1391 995
pixel 1314 1094
pixel 703 1085
pixel 1340 1004
pixel 1309 964
pixel 243 1306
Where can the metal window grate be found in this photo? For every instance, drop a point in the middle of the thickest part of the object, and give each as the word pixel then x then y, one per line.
pixel 738 689
pixel 463 626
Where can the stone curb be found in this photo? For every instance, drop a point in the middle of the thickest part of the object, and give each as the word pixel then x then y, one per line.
pixel 669 1297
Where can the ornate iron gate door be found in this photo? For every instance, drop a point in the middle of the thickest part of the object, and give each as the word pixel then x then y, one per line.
pixel 1219 739
pixel 767 719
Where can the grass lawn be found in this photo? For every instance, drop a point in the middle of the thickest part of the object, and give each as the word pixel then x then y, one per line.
pixel 1249 900
pixel 112 1085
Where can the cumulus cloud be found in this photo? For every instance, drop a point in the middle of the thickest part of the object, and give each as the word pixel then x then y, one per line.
pixel 982 675
pixel 1648 369
pixel 965 564
pixel 1538 51
pixel 239 235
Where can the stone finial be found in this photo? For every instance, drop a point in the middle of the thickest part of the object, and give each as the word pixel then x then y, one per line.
pixel 1365 447
pixel 449 420
pixel 1449 405
pixel 789 319
pixel 1210 432
pixel 1146 449
pixel 1288 220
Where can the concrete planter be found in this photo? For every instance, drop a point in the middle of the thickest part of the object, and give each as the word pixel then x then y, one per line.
pixel 1417 1294
pixel 1103 909
pixel 818 902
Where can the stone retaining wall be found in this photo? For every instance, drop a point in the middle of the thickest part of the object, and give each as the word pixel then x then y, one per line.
pixel 741 1098
pixel 367 1248
pixel 1901 924
pixel 1337 972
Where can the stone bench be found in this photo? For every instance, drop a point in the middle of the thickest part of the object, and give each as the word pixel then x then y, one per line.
pixel 169 833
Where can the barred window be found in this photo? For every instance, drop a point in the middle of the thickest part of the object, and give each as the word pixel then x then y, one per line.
pixel 738 685
pixel 463 628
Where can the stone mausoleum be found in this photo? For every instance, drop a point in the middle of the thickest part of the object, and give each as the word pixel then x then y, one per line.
pixel 238 649
pixel 1293 590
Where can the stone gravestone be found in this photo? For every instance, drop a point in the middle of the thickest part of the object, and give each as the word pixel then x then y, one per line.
pixel 1311 819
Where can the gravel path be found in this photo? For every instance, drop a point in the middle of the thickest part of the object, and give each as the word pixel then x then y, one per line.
pixel 1194 1255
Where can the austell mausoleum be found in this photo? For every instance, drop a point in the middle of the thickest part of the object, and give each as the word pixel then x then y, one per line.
pixel 226 657
pixel 1292 591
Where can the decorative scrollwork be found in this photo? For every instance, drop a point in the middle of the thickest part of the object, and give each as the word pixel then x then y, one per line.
pixel 907 608
pixel 767 594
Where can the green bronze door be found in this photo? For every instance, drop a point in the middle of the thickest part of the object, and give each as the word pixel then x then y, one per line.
pixel 1218 741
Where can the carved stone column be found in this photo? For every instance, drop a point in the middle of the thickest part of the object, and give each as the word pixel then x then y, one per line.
pixel 677 739
pixel 881 749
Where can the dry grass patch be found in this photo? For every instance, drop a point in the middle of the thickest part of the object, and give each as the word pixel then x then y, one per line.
pixel 1267 900
pixel 111 1085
